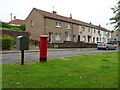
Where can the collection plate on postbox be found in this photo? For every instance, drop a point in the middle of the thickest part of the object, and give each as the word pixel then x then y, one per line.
pixel 22 43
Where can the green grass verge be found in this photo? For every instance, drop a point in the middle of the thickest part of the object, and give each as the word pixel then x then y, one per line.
pixel 85 71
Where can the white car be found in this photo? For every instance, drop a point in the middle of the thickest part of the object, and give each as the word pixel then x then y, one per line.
pixel 106 46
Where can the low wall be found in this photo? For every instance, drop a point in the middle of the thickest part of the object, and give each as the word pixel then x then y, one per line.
pixel 72 45
pixel 14 34
pixel 67 44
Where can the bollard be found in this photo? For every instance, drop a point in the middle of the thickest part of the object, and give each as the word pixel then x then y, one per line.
pixel 43 48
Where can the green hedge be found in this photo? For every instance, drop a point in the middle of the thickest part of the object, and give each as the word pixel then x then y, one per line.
pixel 7 42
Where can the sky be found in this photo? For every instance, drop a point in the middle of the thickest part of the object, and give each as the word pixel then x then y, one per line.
pixel 95 11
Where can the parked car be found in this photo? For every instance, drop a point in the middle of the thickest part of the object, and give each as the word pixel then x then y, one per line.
pixel 107 46
pixel 115 43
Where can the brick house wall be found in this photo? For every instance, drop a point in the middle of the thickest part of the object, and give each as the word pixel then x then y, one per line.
pixel 41 22
pixel 35 24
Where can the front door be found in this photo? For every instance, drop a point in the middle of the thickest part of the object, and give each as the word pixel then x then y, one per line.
pixel 50 38
pixel 78 38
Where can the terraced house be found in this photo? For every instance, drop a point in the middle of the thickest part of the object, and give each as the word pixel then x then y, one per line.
pixel 60 28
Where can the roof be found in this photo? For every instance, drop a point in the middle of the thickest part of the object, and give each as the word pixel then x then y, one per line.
pixel 63 18
pixel 17 21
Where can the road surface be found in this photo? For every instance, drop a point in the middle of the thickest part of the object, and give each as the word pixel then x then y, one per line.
pixel 32 56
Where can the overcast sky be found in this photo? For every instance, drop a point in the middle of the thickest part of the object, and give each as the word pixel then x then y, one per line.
pixel 95 11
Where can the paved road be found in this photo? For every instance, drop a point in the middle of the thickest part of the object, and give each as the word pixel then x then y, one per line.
pixel 31 56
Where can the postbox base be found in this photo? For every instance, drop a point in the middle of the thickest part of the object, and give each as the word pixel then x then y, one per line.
pixel 43 59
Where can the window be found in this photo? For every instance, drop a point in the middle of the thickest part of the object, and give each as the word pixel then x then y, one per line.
pixel 83 28
pixel 100 39
pixel 69 26
pixel 31 23
pixel 57 37
pixel 97 39
pixel 84 38
pixel 93 39
pixel 88 29
pixel 94 30
pixel 108 34
pixel 68 38
pixel 50 37
pixel 98 32
pixel 58 24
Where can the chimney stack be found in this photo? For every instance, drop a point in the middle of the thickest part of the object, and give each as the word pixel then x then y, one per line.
pixel 99 25
pixel 54 12
pixel 70 15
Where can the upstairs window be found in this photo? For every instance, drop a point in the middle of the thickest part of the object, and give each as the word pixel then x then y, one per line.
pixel 83 28
pixel 98 32
pixel 69 26
pixel 88 29
pixel 94 30
pixel 58 24
pixel 31 23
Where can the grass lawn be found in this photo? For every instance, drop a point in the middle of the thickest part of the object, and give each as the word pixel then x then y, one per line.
pixel 85 71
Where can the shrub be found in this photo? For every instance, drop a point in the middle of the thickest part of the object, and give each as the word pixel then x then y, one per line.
pixel 7 42
pixel 4 25
pixel 22 27
pixel 15 28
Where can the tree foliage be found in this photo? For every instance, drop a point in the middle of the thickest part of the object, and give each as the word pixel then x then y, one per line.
pixel 116 19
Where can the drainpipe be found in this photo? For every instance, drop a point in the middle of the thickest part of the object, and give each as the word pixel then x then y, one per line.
pixel 44 25
pixel 72 34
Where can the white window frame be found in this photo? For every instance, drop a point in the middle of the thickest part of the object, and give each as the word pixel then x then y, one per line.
pixel 57 37
pixel 58 24
pixel 68 38
pixel 84 38
pixel 89 30
pixel 83 28
pixel 69 26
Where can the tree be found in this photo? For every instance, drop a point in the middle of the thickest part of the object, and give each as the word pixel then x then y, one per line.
pixel 116 19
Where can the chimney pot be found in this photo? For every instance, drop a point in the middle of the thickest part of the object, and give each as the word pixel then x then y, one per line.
pixel 54 12
pixel 14 17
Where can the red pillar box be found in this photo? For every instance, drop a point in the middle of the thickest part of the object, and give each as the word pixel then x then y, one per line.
pixel 43 48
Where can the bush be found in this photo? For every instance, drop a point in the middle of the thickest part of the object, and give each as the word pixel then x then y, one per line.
pixel 7 42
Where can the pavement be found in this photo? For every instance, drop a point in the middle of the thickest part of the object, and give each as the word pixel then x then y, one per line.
pixel 49 49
